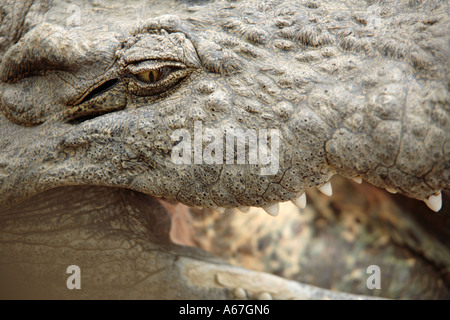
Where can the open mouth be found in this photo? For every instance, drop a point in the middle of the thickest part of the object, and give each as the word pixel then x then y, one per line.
pixel 305 245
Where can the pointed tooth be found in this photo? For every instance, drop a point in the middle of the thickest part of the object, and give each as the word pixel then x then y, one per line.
pixel 265 296
pixel 300 201
pixel 357 179
pixel 326 189
pixel 240 293
pixel 434 202
pixel 244 209
pixel 391 190
pixel 220 209
pixel 272 209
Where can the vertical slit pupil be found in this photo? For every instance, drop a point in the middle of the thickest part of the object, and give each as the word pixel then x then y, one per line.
pixel 152 75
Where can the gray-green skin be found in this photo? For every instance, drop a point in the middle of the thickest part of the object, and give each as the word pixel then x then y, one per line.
pixel 355 88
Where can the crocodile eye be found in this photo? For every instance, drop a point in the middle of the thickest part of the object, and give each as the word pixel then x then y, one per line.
pixel 149 78
pixel 152 76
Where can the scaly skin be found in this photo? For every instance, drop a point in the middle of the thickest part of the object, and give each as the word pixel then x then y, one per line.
pixel 362 92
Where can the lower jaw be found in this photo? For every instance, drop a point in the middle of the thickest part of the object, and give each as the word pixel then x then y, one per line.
pixel 330 244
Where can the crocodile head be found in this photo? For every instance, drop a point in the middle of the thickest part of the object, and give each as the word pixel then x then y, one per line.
pixel 153 108
pixel 231 105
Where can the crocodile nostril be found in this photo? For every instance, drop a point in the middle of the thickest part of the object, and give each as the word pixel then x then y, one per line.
pixel 105 86
pixel 95 104
pixel 84 118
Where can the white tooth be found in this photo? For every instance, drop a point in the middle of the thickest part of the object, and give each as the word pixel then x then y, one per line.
pixel 357 179
pixel 220 209
pixel 244 209
pixel 326 189
pixel 272 210
pixel 300 201
pixel 391 190
pixel 240 293
pixel 265 296
pixel 434 202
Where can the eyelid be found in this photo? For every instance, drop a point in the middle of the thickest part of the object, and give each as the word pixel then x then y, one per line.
pixel 143 66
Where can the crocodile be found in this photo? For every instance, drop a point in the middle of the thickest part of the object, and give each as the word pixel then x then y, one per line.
pixel 96 97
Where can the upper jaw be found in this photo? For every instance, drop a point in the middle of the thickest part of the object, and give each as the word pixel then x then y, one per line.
pixel 221 95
